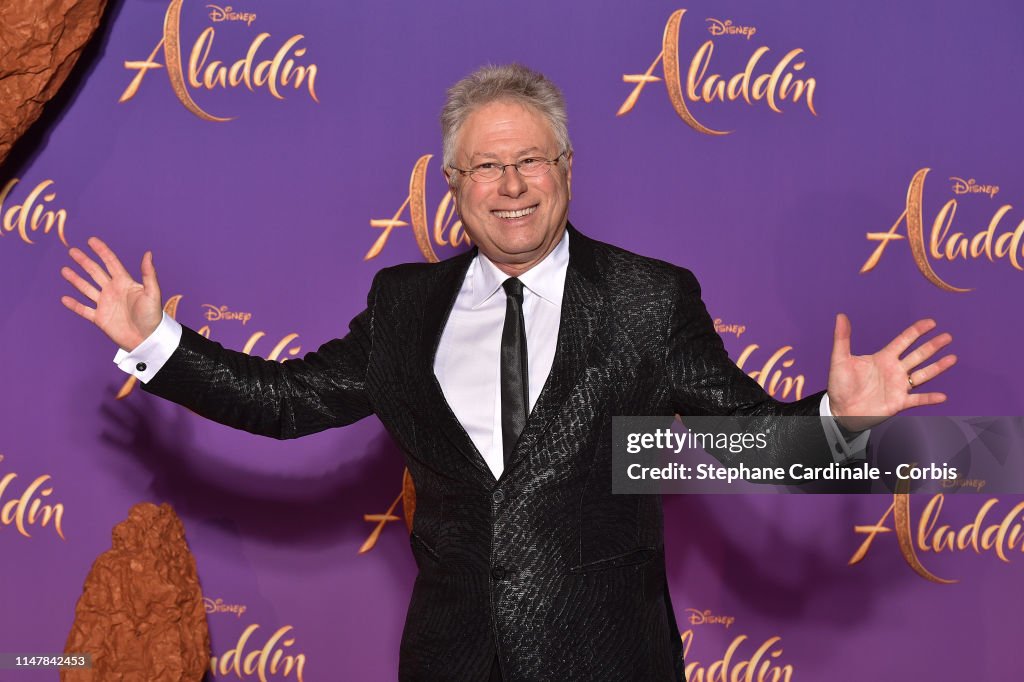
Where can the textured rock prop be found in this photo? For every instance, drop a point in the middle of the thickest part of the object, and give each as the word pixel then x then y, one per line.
pixel 141 614
pixel 40 41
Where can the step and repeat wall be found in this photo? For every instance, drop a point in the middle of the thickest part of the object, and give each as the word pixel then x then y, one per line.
pixel 801 158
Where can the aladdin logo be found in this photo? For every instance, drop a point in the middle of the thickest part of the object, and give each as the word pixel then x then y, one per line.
pixel 31 215
pixel 960 482
pixel 250 660
pixel 215 314
pixel 445 222
pixel 273 74
pixel 723 328
pixel 770 376
pixel 219 14
pixel 941 244
pixel 706 617
pixel 212 606
pixel 27 509
pixel 727 28
pixel 961 186
pixel 998 536
pixel 755 83
pixel 761 665
pixel 282 347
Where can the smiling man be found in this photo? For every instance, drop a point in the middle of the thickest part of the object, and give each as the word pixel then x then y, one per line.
pixel 498 372
pixel 514 217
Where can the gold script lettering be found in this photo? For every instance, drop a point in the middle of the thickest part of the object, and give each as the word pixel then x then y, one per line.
pixel 772 87
pixel 932 537
pixel 771 379
pixel 971 186
pixel 416 202
pixel 270 658
pixel 279 71
pixel 381 520
pixel 31 217
pixel 723 328
pixel 942 245
pixel 218 14
pixel 717 27
pixel 214 314
pixel 762 665
pixel 28 509
pixel 704 617
pixel 218 606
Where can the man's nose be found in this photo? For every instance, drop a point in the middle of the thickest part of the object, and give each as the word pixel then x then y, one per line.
pixel 512 183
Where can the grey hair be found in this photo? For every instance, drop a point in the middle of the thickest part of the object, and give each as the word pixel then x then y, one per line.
pixel 505 82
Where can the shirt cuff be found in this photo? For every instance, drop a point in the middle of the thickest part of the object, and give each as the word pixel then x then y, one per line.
pixel 149 356
pixel 843 451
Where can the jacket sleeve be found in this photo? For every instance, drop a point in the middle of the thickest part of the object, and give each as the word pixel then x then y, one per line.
pixel 323 389
pixel 704 381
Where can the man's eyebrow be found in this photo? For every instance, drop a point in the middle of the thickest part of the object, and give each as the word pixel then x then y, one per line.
pixel 492 155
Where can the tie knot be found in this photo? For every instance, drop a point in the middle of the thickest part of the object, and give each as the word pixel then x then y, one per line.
pixel 513 288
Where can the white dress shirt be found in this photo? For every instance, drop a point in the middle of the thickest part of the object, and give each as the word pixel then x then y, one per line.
pixel 467 364
pixel 468 360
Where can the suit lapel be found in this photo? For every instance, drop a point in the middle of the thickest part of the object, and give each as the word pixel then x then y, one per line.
pixel 439 298
pixel 583 318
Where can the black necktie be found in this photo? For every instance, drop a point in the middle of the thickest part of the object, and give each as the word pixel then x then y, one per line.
pixel 515 373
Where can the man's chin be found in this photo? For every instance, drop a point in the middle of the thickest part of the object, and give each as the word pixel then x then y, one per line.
pixel 519 251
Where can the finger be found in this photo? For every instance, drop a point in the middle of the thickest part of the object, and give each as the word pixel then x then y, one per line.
pixel 78 308
pixel 98 274
pixel 108 257
pixel 922 399
pixel 925 351
pixel 908 336
pixel 841 338
pixel 76 280
pixel 925 374
pixel 149 275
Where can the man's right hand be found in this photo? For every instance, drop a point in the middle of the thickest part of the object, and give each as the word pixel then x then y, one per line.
pixel 126 311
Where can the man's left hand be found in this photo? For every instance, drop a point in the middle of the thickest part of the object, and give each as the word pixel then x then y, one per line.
pixel 864 390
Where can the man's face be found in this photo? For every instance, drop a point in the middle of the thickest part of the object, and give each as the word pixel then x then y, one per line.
pixel 507 132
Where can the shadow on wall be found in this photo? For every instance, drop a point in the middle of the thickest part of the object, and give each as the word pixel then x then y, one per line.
pixel 318 508
pixel 791 576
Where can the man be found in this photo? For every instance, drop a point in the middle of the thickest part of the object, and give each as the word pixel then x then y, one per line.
pixel 498 372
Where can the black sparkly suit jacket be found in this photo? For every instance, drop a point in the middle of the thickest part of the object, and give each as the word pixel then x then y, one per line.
pixel 545 567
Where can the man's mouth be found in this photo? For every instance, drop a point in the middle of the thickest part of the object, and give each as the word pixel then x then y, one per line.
pixel 518 213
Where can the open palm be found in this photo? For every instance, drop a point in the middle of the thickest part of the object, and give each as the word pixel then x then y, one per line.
pixel 125 310
pixel 863 390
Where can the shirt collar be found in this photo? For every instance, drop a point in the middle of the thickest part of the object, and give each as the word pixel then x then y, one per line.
pixel 546 279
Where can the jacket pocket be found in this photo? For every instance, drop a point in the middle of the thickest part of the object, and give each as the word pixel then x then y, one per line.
pixel 420 548
pixel 640 555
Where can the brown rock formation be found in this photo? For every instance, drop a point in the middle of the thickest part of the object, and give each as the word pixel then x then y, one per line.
pixel 141 615
pixel 40 41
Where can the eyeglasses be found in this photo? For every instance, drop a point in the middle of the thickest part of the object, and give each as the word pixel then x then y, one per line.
pixel 530 167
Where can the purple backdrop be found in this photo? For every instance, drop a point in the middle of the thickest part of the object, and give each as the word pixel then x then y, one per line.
pixel 272 213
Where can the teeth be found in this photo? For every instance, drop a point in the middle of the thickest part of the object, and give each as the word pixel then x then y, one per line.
pixel 515 214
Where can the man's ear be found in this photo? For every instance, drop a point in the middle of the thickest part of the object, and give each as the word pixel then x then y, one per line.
pixel 449 178
pixel 568 173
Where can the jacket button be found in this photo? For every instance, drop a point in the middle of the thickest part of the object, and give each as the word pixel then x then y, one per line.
pixel 498 573
pixel 498 496
pixel 141 367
